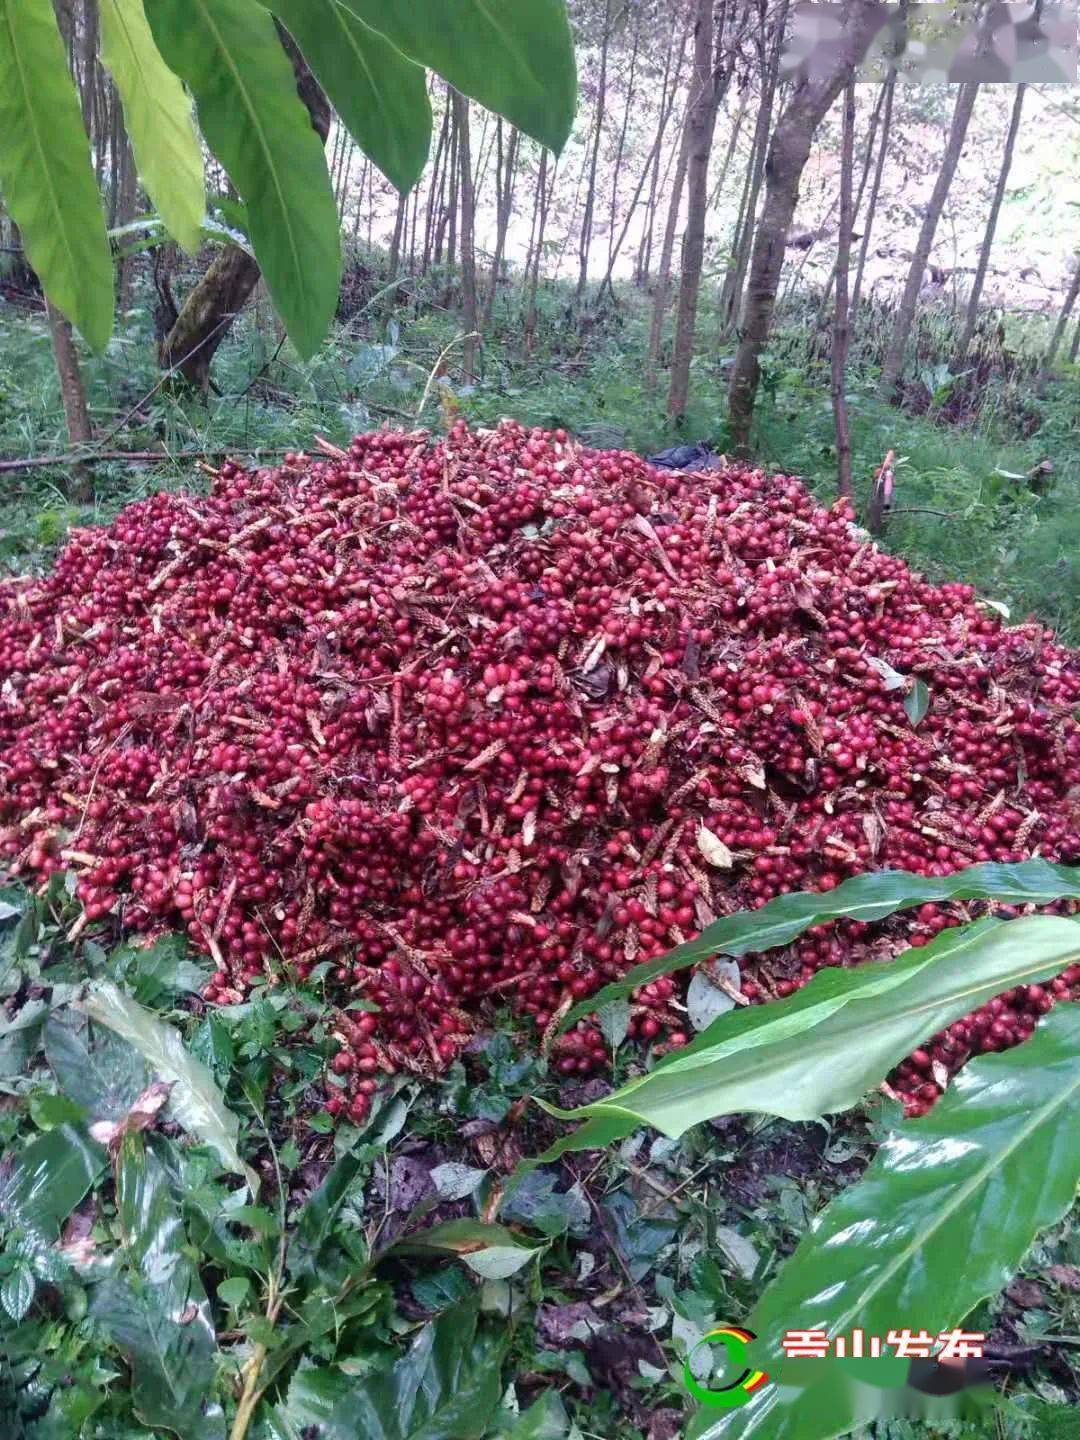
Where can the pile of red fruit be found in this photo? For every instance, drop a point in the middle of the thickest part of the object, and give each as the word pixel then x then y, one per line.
pixel 498 717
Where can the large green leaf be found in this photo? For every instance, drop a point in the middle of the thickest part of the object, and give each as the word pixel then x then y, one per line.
pixel 159 1314
pixel 45 1181
pixel 93 1066
pixel 158 116
pixel 515 56
pixel 45 173
pixel 491 1251
pixel 864 897
pixel 196 1101
pixel 446 1387
pixel 380 95
pixel 230 56
pixel 822 1048
pixel 939 1222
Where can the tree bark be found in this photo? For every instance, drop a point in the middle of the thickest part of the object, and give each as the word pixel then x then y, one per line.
pixel 73 395
pixel 1047 365
pixel 620 149
pixel 468 241
pixel 708 81
pixel 788 154
pixel 1074 348
pixel 504 189
pixel 585 239
pixel 857 202
pixel 663 276
pixel 669 90
pixel 544 194
pixel 972 316
pixel 841 321
pixel 905 315
pixel 213 304
pixel 875 190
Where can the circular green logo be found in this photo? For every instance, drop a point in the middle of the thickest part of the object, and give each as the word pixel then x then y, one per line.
pixel 747 1381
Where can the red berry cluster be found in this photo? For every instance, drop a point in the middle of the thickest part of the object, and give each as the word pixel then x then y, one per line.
pixel 498 717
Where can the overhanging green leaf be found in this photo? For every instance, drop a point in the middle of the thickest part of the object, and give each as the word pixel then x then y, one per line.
pixel 380 95
pixel 864 897
pixel 230 56
pixel 196 1102
pixel 516 59
pixel 159 1315
pixel 45 173
pixel 939 1222
pixel 158 117
pixel 822 1048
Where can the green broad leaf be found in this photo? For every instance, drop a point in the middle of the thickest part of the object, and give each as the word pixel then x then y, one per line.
pixel 514 58
pixel 917 701
pixel 158 116
pixel 445 1387
pixel 864 897
pixel 545 1419
pixel 234 1291
pixel 158 1314
pixel 154 973
pixel 316 1220
pixel 491 1251
pixel 46 177
pixel 230 56
pixel 821 1049
pixel 48 1179
pixel 196 1102
pixel 17 1291
pixel 380 96
pixel 313 1392
pixel 94 1067
pixel 938 1223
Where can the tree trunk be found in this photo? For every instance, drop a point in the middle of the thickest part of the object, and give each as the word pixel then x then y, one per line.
pixel 213 304
pixel 545 191
pixel 668 94
pixel 1047 365
pixel 708 82
pixel 663 276
pixel 585 239
pixel 393 263
pixel 857 203
pixel 1074 348
pixel 788 154
pixel 468 241
pixel 875 190
pixel 841 325
pixel 972 315
pixel 905 315
pixel 73 396
pixel 620 149
pixel 504 188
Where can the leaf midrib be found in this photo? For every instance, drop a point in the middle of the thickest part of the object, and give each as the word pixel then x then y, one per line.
pixel 30 112
pixel 257 124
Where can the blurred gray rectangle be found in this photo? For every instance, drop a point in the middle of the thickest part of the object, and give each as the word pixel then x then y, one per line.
pixel 992 43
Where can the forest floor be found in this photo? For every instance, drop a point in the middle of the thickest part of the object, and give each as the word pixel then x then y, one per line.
pixel 652 1243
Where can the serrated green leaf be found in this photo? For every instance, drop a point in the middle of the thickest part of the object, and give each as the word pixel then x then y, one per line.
pixel 45 172
pixel 229 55
pixel 516 59
pixel 159 1314
pixel 380 95
pixel 821 1049
pixel 157 113
pixel 917 701
pixel 445 1387
pixel 196 1102
pixel 17 1292
pixel 864 897
pixel 938 1223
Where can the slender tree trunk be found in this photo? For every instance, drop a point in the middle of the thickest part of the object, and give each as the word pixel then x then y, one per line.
pixel 905 315
pixel 504 187
pixel 585 241
pixel 393 263
pixel 468 241
pixel 841 327
pixel 790 149
pixel 868 155
pixel 1043 377
pixel 1074 348
pixel 875 190
pixel 668 93
pixel 88 47
pixel 214 302
pixel 663 276
pixel 733 140
pixel 709 81
pixel 972 316
pixel 620 149
pixel 127 201
pixel 73 395
pixel 544 190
